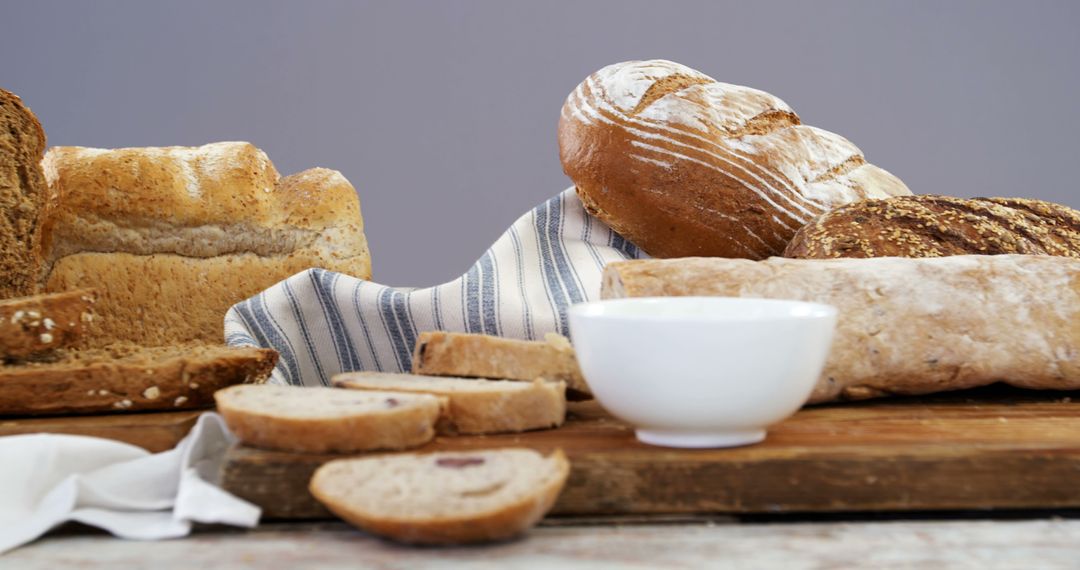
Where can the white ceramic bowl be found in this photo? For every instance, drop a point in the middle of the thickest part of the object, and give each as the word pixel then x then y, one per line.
pixel 701 371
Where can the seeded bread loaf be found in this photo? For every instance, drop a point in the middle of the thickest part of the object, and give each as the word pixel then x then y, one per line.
pixel 683 165
pixel 127 377
pixel 35 325
pixel 172 237
pixel 935 226
pixel 443 498
pixel 328 420
pixel 906 326
pixel 476 406
pixel 22 197
pixel 441 353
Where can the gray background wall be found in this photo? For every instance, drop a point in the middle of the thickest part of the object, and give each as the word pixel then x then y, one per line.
pixel 443 114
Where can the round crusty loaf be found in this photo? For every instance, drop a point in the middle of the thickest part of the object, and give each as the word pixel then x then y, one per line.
pixel 327 420
pixel 682 165
pixel 937 226
pixel 443 498
pixel 22 197
pixel 476 406
pixel 174 236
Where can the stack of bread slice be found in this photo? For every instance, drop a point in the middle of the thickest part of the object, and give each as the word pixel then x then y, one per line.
pixel 432 498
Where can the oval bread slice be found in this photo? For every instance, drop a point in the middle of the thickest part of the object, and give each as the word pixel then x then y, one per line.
pixel 476 406
pixel 327 420
pixel 443 498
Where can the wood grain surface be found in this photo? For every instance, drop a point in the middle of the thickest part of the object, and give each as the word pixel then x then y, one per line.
pixel 987 449
pixel 153 431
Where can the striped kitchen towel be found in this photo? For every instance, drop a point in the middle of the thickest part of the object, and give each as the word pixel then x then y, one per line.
pixel 323 323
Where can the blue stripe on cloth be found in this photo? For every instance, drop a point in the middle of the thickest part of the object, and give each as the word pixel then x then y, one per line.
pixel 519 259
pixel 393 330
pixel 323 286
pixel 363 324
pixel 487 294
pixel 294 303
pixel 548 259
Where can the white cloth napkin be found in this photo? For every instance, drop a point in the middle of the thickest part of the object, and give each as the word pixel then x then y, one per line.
pixel 323 323
pixel 46 480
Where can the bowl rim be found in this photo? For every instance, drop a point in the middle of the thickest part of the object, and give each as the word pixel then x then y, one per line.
pixel 592 309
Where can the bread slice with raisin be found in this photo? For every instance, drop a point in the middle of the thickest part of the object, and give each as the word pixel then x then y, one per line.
pixel 328 420
pixel 476 406
pixel 443 498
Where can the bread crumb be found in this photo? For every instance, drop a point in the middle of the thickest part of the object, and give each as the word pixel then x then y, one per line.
pixel 17 317
pixel 46 338
pixel 194 385
pixel 49 324
pixel 122 404
pixel 151 393
pixel 179 400
pixel 89 392
pixel 103 392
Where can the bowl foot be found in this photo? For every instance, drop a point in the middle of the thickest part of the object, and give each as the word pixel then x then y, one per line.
pixel 695 439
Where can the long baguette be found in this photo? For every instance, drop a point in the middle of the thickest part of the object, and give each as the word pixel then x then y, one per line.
pixel 907 326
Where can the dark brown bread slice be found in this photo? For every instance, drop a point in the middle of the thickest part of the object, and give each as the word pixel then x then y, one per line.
pixel 39 324
pixel 938 226
pixel 22 197
pixel 127 377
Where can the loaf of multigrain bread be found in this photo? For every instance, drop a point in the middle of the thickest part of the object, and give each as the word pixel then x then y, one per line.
pixel 935 226
pixel 683 165
pixel 22 197
pixel 39 324
pixel 439 353
pixel 129 378
pixel 443 498
pixel 476 406
pixel 172 237
pixel 906 326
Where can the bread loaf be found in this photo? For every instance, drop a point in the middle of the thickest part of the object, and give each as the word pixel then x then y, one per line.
pixel 39 324
pixel 935 226
pixel 174 236
pixel 328 420
pixel 683 165
pixel 906 326
pixel 443 498
pixel 476 406
pixel 441 353
pixel 129 378
pixel 22 197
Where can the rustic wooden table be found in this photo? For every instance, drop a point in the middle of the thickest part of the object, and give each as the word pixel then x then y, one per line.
pixel 1050 543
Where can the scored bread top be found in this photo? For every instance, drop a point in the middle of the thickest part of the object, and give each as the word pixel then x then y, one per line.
pixel 682 164
pixel 216 199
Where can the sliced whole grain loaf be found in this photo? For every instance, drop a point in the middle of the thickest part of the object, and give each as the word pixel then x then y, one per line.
pixel 328 420
pixel 443 498
pixel 22 197
pixel 38 324
pixel 938 226
pixel 476 406
pixel 128 377
pixel 441 353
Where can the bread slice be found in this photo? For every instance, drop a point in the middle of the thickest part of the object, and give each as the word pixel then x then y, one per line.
pixel 328 420
pixel 476 406
pixel 443 498
pixel 127 377
pixel 22 197
pixel 441 353
pixel 38 324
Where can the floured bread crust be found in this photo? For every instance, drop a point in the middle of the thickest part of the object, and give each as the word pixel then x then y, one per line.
pixel 683 165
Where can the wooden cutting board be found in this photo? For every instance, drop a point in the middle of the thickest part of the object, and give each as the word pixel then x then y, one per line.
pixel 986 449
pixel 153 431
